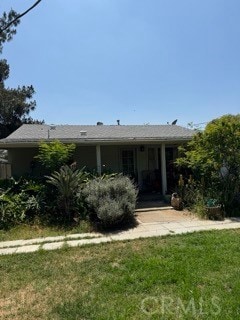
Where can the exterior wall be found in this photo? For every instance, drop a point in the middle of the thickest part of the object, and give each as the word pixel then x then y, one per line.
pixel 85 156
pixel 20 160
pixel 111 159
pixel 149 172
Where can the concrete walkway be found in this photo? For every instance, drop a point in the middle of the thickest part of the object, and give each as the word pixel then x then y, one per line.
pixel 152 223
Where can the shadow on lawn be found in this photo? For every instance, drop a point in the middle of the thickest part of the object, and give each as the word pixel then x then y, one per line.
pixel 124 225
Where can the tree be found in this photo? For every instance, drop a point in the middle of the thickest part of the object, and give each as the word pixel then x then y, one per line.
pixel 214 157
pixel 7 30
pixel 9 21
pixel 15 104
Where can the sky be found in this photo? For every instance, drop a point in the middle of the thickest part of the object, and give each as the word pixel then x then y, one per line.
pixel 139 61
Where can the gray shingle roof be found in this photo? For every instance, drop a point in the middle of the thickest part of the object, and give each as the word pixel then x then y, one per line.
pixel 36 132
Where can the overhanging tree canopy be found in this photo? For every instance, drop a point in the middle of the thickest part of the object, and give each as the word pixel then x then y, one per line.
pixel 9 21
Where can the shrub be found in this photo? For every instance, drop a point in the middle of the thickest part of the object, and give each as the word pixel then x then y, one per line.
pixel 11 211
pixel 213 155
pixel 5 184
pixel 111 201
pixel 201 201
pixel 55 154
pixel 68 184
pixel 15 209
pixel 21 201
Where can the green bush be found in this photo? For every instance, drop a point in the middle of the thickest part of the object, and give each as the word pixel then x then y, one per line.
pixel 68 183
pixel 11 211
pixel 5 184
pixel 17 208
pixel 111 201
pixel 53 155
pixel 20 202
pixel 213 156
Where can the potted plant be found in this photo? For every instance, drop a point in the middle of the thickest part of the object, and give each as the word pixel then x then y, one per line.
pixel 214 210
pixel 176 201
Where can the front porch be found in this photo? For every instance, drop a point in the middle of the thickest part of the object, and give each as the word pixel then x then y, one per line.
pixel 150 165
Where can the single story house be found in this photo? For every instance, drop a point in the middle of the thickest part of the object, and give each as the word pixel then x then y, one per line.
pixel 145 152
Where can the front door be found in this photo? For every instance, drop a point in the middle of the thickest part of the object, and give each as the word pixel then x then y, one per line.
pixel 128 162
pixel 151 159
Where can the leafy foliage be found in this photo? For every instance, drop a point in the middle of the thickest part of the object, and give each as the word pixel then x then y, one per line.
pixel 15 104
pixel 10 31
pixel 68 183
pixel 17 208
pixel 214 157
pixel 55 154
pixel 112 201
pixel 9 21
pixel 11 211
pixel 20 201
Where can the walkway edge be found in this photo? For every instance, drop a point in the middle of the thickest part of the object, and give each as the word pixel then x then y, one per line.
pixel 123 236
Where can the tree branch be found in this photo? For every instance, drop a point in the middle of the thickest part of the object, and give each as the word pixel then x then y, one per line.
pixel 20 16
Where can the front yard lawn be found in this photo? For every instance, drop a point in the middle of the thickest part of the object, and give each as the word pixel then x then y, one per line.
pixel 192 276
pixel 38 230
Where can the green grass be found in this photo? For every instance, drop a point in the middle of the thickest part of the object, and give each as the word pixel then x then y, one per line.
pixel 37 230
pixel 192 276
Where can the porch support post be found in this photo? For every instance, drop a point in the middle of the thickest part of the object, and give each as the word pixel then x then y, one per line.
pixel 99 164
pixel 163 169
pixel 156 158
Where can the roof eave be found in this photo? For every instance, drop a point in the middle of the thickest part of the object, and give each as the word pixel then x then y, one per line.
pixel 5 143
